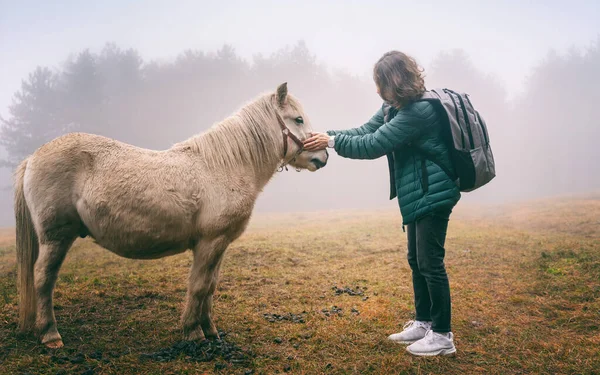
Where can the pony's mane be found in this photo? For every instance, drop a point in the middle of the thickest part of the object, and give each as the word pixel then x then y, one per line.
pixel 242 139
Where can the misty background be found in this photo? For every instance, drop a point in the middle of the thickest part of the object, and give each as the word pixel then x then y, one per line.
pixel 154 73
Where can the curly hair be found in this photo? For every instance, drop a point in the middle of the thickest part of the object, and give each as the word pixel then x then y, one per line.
pixel 399 79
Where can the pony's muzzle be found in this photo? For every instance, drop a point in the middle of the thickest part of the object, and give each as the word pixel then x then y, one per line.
pixel 318 163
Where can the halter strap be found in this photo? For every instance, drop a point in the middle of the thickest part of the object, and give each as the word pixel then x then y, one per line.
pixel 285 131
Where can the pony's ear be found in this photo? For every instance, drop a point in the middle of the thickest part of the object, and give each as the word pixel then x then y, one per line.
pixel 282 94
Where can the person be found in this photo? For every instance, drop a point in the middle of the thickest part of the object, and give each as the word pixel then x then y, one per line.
pixel 409 132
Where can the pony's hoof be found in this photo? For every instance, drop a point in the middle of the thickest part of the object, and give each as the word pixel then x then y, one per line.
pixel 197 335
pixel 54 344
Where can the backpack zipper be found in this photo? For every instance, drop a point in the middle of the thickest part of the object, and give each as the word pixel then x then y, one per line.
pixel 462 134
pixel 464 111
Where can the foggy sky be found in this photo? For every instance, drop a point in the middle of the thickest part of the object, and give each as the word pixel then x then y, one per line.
pixel 505 39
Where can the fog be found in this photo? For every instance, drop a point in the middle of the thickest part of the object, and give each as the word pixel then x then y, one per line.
pixel 153 74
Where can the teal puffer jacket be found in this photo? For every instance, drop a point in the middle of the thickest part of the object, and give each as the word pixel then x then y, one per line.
pixel 411 140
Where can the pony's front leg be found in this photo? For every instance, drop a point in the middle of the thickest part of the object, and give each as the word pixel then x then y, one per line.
pixel 207 257
pixel 208 326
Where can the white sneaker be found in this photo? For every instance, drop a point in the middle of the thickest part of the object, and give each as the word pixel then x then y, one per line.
pixel 413 330
pixel 433 344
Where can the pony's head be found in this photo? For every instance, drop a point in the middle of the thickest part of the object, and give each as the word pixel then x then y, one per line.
pixel 293 118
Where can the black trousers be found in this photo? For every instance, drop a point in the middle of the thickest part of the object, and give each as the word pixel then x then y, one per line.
pixel 426 238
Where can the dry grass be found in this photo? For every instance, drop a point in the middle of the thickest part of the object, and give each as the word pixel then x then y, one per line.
pixel 7 237
pixel 525 288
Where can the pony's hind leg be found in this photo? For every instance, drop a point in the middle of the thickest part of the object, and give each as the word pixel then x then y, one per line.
pixel 51 256
pixel 207 258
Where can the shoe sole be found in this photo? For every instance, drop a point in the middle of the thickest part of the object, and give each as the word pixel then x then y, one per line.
pixel 404 342
pixel 443 352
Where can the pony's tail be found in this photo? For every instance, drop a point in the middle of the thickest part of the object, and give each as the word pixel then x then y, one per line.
pixel 27 253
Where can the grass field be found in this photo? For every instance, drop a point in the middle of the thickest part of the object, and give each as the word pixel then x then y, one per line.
pixel 525 283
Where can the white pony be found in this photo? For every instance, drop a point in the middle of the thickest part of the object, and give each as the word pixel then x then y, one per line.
pixel 146 204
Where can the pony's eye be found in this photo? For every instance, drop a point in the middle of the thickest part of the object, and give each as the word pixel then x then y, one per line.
pixel 299 120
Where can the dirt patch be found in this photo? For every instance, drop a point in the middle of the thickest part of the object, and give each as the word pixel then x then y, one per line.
pixel 289 317
pixel 358 291
pixel 204 351
pixel 334 310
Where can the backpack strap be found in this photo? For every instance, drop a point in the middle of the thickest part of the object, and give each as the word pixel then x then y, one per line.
pixel 438 162
pixel 435 97
pixel 389 112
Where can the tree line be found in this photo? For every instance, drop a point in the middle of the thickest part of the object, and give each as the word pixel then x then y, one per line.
pixel 543 139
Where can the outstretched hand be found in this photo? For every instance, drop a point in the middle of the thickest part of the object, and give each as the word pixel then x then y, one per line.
pixel 316 142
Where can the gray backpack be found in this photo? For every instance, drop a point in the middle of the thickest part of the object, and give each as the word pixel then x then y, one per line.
pixel 467 138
